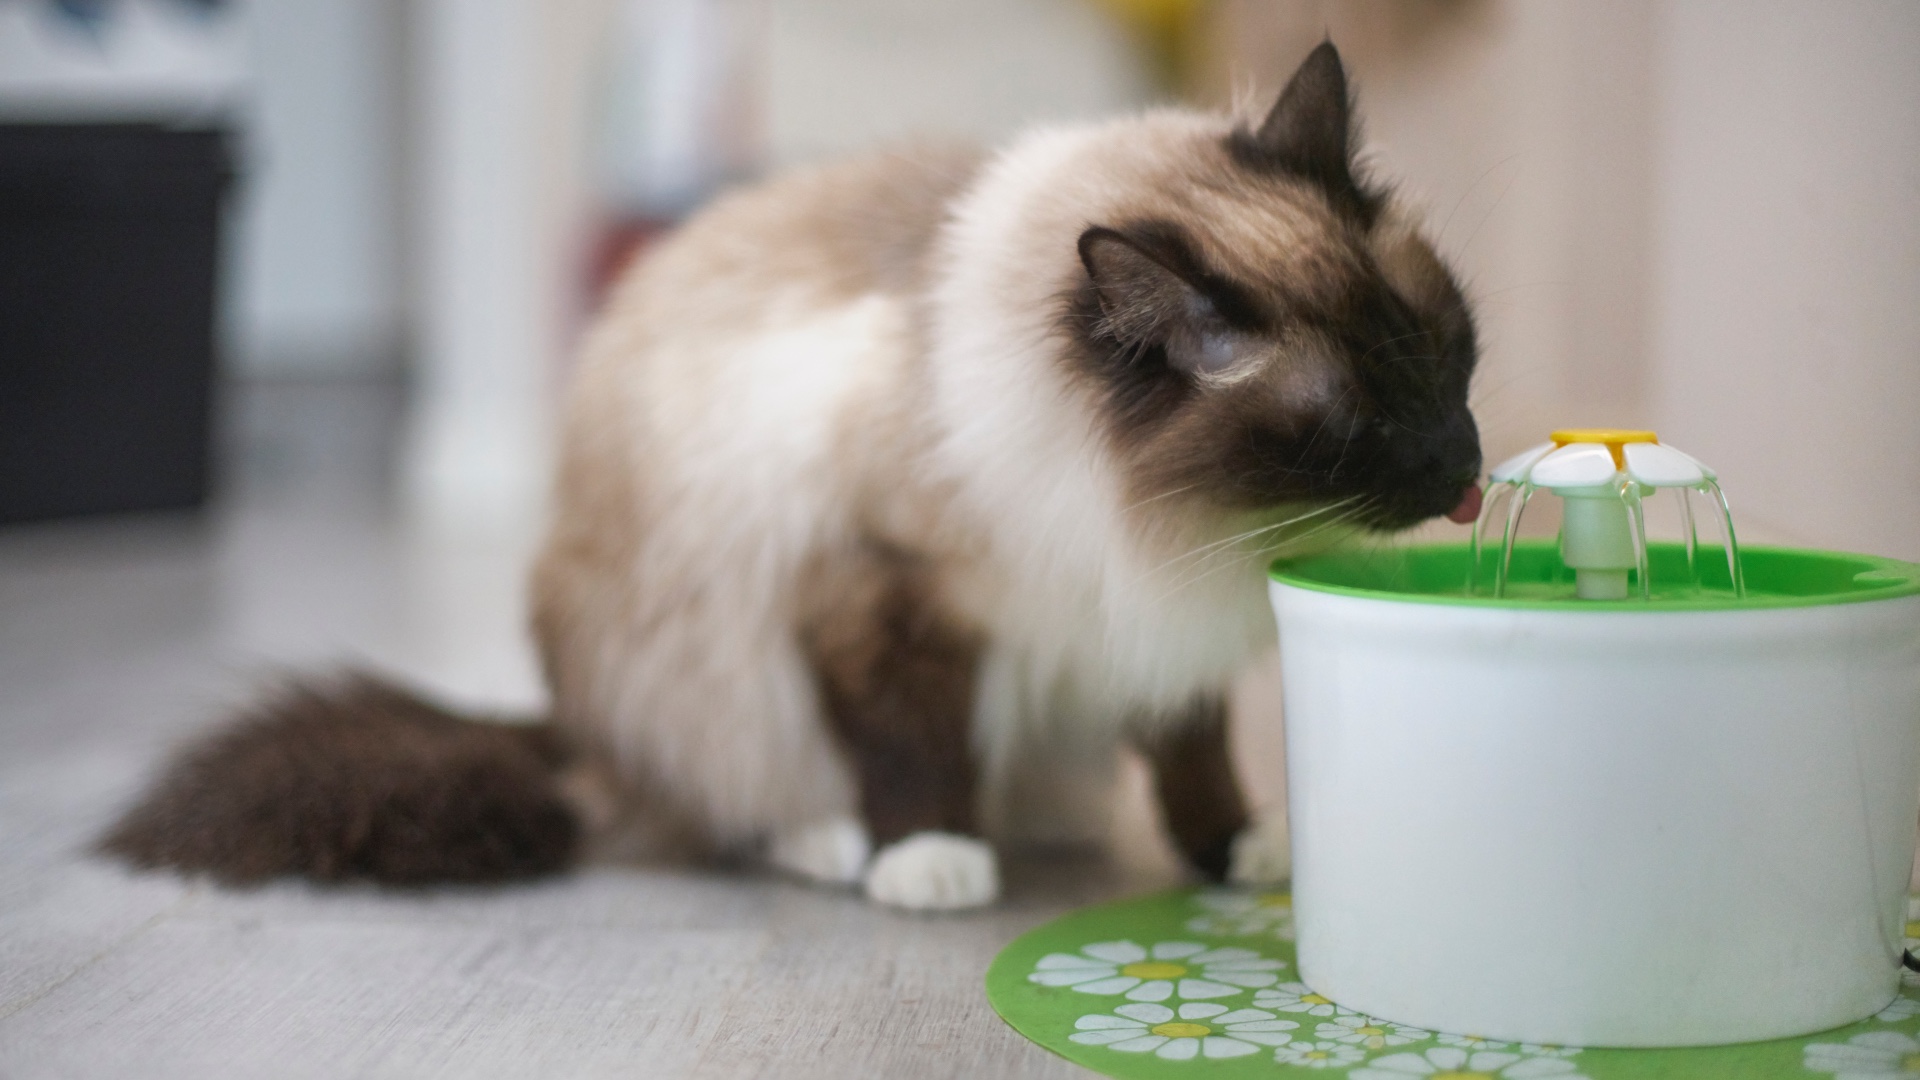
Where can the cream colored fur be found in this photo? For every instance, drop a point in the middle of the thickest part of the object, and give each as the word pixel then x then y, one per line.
pixel 748 404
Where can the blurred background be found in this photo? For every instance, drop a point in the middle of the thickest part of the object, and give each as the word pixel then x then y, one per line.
pixel 288 289
pixel 308 275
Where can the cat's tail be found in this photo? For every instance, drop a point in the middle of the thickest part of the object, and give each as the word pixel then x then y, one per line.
pixel 356 779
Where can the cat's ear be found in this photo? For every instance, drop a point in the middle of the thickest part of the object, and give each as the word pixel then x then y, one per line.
pixel 1309 133
pixel 1149 295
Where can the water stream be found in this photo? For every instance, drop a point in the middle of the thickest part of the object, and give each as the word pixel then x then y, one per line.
pixel 1512 497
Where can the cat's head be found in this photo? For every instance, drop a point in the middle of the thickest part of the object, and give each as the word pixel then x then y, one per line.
pixel 1269 329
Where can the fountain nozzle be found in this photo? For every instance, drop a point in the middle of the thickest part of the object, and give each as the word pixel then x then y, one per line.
pixel 1602 474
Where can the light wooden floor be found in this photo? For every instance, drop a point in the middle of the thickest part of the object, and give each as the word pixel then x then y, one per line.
pixel 116 639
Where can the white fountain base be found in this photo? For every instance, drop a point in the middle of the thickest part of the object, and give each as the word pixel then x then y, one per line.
pixel 1608 828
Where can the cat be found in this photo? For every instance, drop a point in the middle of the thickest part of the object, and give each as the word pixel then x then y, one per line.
pixel 886 483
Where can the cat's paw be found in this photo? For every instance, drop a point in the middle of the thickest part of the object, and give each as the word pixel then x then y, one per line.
pixel 1262 853
pixel 833 851
pixel 935 871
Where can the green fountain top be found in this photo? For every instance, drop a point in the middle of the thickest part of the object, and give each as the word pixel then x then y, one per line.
pixel 1538 579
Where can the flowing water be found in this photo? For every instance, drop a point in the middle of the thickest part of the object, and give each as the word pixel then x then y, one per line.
pixel 1512 496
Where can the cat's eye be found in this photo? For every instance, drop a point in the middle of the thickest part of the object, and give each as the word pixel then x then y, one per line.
pixel 1204 343
pixel 1204 352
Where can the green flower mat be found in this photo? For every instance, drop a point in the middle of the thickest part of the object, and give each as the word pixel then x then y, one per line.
pixel 1203 981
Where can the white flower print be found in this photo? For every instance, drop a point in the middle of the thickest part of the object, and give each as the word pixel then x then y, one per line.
pixel 1318 1055
pixel 1295 997
pixel 1456 1063
pixel 1183 969
pixel 1356 1029
pixel 1238 913
pixel 1902 1008
pixel 1473 1042
pixel 1877 1055
pixel 1554 1050
pixel 1198 1029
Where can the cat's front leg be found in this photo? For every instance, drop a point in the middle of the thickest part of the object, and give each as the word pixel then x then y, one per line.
pixel 832 851
pixel 1201 801
pixel 896 676
pixel 1263 852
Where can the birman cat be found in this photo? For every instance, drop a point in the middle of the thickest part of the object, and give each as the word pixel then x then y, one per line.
pixel 885 483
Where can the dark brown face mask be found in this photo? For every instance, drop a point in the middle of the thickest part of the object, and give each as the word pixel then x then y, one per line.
pixel 1204 367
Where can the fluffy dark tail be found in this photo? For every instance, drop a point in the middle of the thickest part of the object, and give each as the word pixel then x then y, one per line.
pixel 357 780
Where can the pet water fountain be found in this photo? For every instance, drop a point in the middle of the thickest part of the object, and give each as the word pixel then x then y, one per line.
pixel 1600 791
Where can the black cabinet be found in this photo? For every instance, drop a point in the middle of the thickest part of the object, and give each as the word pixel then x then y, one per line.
pixel 109 249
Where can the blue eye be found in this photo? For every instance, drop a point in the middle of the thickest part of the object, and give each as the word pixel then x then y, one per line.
pixel 1215 353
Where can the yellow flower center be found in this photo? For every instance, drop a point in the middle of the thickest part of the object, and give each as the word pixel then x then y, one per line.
pixel 1285 900
pixel 1181 1029
pixel 1316 1055
pixel 1913 928
pixel 1153 969
pixel 1910 1063
pixel 1370 1030
pixel 1315 999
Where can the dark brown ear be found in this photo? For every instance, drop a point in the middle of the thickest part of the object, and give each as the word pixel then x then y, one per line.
pixel 1153 291
pixel 1138 293
pixel 1310 133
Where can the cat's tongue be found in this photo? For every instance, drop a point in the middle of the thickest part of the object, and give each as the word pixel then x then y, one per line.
pixel 1469 507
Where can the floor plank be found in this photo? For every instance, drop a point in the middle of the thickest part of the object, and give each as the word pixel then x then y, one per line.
pixel 117 638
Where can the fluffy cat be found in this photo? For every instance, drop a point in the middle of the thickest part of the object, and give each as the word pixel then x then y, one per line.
pixel 886 482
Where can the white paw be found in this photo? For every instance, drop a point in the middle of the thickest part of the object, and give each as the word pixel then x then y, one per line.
pixel 833 851
pixel 935 871
pixel 1262 853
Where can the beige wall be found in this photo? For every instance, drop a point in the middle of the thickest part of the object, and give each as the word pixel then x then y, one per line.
pixel 1786 336
pixel 1698 216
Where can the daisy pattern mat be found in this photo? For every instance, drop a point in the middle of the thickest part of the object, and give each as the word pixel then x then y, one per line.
pixel 1202 981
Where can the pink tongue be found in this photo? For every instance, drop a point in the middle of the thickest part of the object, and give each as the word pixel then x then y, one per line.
pixel 1469 507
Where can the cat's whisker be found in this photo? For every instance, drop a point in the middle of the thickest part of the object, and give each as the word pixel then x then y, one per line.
pixel 1383 344
pixel 1488 216
pixel 1441 236
pixel 1206 548
pixel 1206 551
pixel 1315 439
pixel 1157 498
pixel 1344 519
pixel 1255 532
pixel 1221 549
pixel 1263 553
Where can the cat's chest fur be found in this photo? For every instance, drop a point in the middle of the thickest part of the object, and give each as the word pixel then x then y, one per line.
pixel 945 429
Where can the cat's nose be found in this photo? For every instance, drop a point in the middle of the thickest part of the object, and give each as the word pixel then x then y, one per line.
pixel 1471 500
pixel 1460 448
pixel 1433 471
pixel 1446 454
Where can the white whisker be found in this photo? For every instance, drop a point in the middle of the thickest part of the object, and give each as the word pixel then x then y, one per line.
pixel 1218 550
pixel 1156 498
pixel 1217 544
pixel 1259 554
